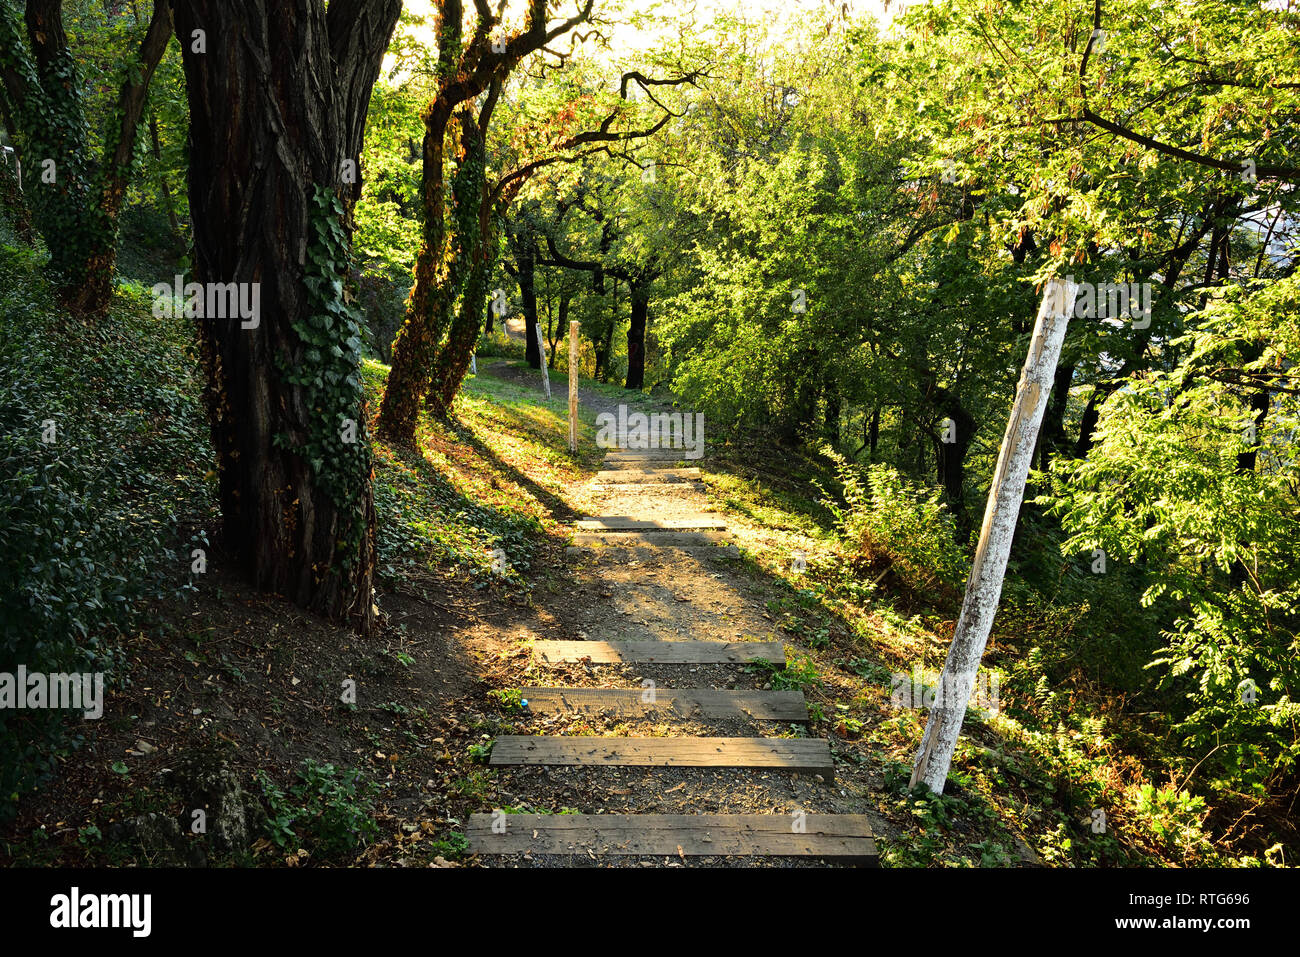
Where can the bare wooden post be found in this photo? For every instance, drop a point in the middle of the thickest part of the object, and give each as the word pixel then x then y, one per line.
pixel 573 385
pixel 934 756
pixel 541 351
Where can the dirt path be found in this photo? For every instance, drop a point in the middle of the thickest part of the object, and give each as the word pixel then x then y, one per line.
pixel 646 591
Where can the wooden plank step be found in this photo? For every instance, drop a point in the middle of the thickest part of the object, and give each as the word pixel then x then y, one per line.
pixel 802 755
pixel 844 837
pixel 647 465
pixel 622 476
pixel 648 460
pixel 650 456
pixel 651 539
pixel 648 554
pixel 659 652
pixel 682 702
pixel 624 523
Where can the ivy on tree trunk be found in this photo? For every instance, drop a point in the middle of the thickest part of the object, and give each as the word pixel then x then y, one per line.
pixel 274 95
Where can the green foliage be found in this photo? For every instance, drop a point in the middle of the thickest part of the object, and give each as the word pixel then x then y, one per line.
pixel 325 809
pixel 1166 487
pixel 1173 818
pixel 93 524
pixel 799 674
pixel 328 370
pixel 900 525
pixel 510 699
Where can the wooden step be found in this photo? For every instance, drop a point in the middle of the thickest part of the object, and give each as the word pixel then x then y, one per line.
pixel 644 551
pixel 663 452
pixel 649 460
pixel 647 476
pixel 845 837
pixel 802 755
pixel 659 652
pixel 682 702
pixel 651 539
pixel 624 523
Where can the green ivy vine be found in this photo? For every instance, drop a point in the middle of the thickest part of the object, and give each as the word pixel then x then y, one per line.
pixel 328 372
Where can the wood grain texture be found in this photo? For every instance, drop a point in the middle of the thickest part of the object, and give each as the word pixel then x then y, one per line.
pixel 686 702
pixel 661 652
pixel 846 837
pixel 804 755
pixel 620 523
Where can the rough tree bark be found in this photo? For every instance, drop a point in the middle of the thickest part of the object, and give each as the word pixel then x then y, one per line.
pixel 276 103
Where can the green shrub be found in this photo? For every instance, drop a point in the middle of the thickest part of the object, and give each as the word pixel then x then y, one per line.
pixel 899 526
pixel 326 809
pixel 97 522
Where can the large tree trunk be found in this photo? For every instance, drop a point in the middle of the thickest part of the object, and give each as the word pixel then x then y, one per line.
pixel 269 127
pixel 640 293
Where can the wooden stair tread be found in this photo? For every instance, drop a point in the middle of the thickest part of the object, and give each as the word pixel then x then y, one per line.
pixel 619 523
pixel 695 652
pixel 803 755
pixel 648 476
pixel 684 702
pixel 840 836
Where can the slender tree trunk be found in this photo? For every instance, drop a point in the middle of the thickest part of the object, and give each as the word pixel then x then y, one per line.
pixel 984 587
pixel 169 204
pixel 268 129
pixel 526 265
pixel 951 459
pixel 1088 423
pixel 453 359
pixel 12 198
pixel 831 419
pixel 564 310
pixel 101 264
pixel 640 295
pixel 1052 435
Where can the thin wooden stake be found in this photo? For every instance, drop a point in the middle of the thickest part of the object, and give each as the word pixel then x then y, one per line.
pixel 573 385
pixel 541 351
pixel 984 589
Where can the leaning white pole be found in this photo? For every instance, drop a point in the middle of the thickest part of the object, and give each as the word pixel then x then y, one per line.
pixel 541 351
pixel 984 588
